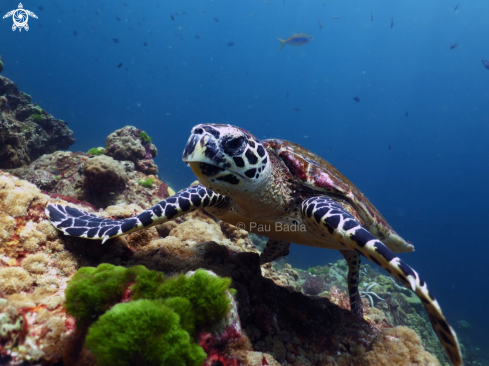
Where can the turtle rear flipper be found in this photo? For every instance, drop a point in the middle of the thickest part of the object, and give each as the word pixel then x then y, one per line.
pixel 75 222
pixel 325 214
pixel 273 250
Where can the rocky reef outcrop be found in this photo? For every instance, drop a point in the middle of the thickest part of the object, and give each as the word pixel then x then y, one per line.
pixel 278 324
pixel 26 130
pixel 105 179
pixel 133 144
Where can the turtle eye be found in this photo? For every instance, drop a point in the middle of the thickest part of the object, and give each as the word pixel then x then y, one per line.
pixel 233 145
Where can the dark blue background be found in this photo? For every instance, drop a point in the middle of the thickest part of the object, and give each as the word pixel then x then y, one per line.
pixel 432 184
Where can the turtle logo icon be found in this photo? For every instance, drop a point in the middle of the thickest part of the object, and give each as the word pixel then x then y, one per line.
pixel 20 17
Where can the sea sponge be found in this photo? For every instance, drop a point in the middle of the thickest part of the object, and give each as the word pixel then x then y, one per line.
pixel 35 263
pixel 14 279
pixel 142 331
pixel 104 174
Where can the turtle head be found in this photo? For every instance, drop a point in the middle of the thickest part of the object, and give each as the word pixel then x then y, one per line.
pixel 227 159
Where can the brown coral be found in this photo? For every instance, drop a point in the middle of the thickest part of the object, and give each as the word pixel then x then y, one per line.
pixel 104 174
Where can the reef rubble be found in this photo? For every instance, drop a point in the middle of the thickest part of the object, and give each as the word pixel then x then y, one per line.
pixel 278 323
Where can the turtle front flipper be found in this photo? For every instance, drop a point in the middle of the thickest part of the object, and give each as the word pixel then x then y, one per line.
pixel 273 250
pixel 75 222
pixel 326 216
pixel 353 260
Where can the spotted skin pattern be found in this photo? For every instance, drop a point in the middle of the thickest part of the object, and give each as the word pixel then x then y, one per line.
pixel 273 250
pixel 353 260
pixel 328 215
pixel 75 222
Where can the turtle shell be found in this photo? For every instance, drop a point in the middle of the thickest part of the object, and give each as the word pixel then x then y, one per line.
pixel 319 176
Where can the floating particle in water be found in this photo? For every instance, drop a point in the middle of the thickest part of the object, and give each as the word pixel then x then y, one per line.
pixel 145 44
pixel 118 19
pixel 297 109
pixel 75 33
pixel 453 46
pixel 486 64
pixel 407 114
pixel 115 40
pixel 456 7
pixel 392 23
pixel 356 99
pixel 231 44
pixel 197 36
pixel 216 20
pixel 120 65
pixel 40 8
pixel 172 17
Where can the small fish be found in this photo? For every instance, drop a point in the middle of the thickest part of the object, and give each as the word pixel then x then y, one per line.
pixel 320 24
pixel 54 171
pixel 298 39
pixel 456 7
pixel 197 36
pixel 407 114
pixel 371 16
pixel 115 40
pixel 118 19
pixel 389 146
pixel 297 109
pixel 145 43
pixel 453 46
pixel 172 17
pixel 231 44
pixel 356 99
pixel 40 8
pixel 216 20
pixel 486 64
pixel 75 33
pixel 120 65
pixel 392 23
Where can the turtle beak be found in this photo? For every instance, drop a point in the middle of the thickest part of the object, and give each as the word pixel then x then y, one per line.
pixel 203 155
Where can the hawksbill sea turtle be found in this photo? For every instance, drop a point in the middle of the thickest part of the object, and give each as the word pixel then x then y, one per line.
pixel 20 17
pixel 293 193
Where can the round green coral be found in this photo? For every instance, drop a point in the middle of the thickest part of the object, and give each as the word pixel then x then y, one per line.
pixel 145 137
pixel 142 332
pixel 206 292
pixel 92 291
pixel 147 183
pixel 96 151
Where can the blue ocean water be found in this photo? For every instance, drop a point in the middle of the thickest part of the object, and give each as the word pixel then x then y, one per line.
pixel 415 143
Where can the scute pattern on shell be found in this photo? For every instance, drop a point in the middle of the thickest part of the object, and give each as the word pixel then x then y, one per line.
pixel 316 173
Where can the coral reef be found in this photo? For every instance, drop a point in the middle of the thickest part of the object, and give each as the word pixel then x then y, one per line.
pixel 98 180
pixel 130 143
pixel 104 174
pixel 27 131
pixel 278 324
